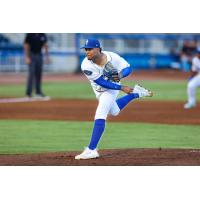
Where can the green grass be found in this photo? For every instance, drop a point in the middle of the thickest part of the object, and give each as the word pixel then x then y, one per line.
pixel 53 136
pixel 55 90
pixel 163 90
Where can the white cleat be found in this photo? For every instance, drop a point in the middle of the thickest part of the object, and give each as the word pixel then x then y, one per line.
pixel 87 154
pixel 143 92
pixel 189 105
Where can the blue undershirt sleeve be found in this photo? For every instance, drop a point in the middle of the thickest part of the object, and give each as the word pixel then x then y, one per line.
pixel 126 71
pixel 107 84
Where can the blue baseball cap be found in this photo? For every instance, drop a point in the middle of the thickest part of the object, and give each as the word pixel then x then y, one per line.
pixel 91 43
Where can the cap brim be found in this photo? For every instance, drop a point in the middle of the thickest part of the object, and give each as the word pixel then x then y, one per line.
pixel 88 47
pixel 83 47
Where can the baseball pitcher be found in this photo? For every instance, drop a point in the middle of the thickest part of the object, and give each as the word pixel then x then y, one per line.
pixel 105 70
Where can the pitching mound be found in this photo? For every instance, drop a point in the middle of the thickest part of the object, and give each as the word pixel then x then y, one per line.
pixel 131 157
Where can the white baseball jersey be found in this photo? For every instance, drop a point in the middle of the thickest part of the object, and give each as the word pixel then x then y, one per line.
pixel 93 71
pixel 196 64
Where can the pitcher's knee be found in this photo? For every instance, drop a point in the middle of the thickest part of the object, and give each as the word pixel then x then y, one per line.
pixel 114 112
pixel 100 116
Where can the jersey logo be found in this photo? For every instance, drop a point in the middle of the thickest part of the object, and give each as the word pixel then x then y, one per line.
pixel 87 72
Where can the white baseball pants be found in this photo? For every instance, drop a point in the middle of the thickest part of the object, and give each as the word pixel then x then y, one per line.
pixel 107 104
pixel 191 89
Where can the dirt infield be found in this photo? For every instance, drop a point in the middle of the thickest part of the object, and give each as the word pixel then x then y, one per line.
pixel 123 157
pixel 164 112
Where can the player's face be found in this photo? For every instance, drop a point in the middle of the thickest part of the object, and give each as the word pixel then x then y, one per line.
pixel 91 53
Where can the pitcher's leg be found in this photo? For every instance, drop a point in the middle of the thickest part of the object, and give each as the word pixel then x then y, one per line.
pixel 125 100
pixel 105 102
pixel 121 103
pixel 98 129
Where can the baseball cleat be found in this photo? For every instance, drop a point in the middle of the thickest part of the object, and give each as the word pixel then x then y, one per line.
pixel 87 154
pixel 189 105
pixel 143 92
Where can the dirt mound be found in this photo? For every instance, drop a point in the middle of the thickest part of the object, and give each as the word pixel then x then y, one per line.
pixel 131 157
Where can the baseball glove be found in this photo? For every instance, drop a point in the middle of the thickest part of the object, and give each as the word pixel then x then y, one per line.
pixel 110 73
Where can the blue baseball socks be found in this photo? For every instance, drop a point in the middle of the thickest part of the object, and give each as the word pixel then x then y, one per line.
pixel 123 101
pixel 99 127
